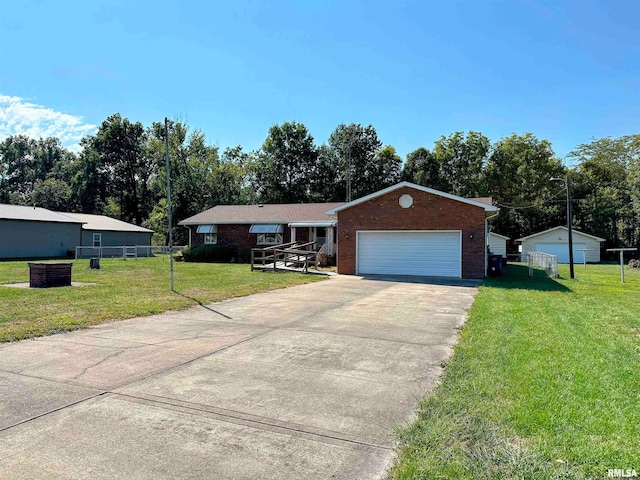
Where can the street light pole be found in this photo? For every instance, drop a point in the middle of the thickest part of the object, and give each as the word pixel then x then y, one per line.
pixel 567 183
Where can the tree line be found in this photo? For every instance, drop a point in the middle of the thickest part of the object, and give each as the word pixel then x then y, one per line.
pixel 120 171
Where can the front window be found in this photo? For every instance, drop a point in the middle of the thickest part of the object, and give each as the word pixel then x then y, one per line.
pixel 269 238
pixel 97 239
pixel 210 238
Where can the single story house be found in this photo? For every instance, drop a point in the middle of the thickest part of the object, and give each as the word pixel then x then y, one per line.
pixel 100 231
pixel 261 225
pixel 408 229
pixel 555 241
pixel 35 232
pixel 405 229
pixel 498 244
pixel 32 232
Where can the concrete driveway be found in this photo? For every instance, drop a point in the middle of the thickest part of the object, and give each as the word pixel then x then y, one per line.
pixel 306 382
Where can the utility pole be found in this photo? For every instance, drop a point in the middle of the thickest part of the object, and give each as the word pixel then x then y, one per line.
pixel 166 148
pixel 349 174
pixel 569 223
pixel 567 183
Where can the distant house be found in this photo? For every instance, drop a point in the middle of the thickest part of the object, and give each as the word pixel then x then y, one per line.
pixel 555 241
pixel 34 232
pixel 261 225
pixel 101 231
pixel 498 244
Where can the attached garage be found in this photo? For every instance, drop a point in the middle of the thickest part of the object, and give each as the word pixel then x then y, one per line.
pixel 555 241
pixel 409 229
pixel 434 254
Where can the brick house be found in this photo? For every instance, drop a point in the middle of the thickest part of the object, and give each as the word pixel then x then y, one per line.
pixel 405 229
pixel 262 225
pixel 408 229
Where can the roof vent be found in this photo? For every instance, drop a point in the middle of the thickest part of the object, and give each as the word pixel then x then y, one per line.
pixel 260 205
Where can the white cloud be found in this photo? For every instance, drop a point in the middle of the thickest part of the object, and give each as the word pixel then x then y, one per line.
pixel 19 116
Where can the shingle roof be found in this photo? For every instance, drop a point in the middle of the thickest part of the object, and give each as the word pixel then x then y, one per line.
pixel 267 213
pixel 104 223
pixel 34 214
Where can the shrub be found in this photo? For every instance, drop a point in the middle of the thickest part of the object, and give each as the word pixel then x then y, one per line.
pixel 208 254
pixel 244 255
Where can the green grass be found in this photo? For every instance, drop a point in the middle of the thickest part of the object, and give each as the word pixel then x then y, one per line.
pixel 545 383
pixel 124 289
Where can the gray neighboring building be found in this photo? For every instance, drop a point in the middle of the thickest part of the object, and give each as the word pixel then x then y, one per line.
pixel 34 232
pixel 102 231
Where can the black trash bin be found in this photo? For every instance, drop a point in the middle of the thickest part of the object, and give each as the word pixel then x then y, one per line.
pixel 495 265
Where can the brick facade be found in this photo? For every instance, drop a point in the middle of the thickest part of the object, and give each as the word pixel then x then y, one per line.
pixel 236 236
pixel 428 212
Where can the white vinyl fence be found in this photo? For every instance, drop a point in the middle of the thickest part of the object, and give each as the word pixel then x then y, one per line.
pixel 545 261
pixel 124 251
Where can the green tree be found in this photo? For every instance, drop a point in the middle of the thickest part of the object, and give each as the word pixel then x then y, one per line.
pixel 518 176
pixel 423 168
pixel 461 160
pixel 285 163
pixel 26 163
pixel 121 150
pixel 355 153
pixel 52 193
pixel 606 186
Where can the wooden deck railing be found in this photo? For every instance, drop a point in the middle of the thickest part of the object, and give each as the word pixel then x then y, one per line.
pixel 283 256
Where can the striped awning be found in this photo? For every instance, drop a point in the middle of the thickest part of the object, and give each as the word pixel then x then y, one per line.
pixel 207 229
pixel 266 228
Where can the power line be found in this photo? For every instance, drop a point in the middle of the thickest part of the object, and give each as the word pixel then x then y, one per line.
pixel 535 205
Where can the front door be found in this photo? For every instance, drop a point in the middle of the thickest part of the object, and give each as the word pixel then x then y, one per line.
pixel 320 237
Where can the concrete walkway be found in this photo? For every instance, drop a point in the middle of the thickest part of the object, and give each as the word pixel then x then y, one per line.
pixel 306 382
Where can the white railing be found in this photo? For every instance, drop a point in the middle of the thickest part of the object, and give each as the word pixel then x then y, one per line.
pixel 545 261
pixel 124 251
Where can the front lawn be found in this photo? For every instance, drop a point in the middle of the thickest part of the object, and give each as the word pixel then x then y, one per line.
pixel 124 289
pixel 545 383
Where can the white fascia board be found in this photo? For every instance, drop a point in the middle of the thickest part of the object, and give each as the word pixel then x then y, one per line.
pixel 328 223
pixel 487 208
pixel 576 232
pixel 498 235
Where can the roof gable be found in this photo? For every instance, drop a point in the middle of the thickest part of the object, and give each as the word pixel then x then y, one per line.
pixel 379 193
pixel 498 235
pixel 573 230
pixel 104 223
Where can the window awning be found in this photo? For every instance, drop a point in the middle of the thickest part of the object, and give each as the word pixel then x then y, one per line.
pixel 266 228
pixel 207 229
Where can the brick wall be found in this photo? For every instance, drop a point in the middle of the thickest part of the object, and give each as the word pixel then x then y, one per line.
pixel 236 236
pixel 428 212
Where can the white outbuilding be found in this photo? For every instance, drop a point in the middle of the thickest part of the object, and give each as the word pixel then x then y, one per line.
pixel 498 244
pixel 555 241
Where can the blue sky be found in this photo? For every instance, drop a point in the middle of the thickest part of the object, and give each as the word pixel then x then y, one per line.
pixel 567 71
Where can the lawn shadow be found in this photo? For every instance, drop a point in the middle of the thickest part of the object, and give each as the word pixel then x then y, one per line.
pixel 516 276
pixel 204 306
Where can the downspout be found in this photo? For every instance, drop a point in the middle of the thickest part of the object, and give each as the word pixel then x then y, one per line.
pixel 486 240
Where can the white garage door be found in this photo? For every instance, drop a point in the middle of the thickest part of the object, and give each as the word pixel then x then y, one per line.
pixel 561 250
pixel 436 254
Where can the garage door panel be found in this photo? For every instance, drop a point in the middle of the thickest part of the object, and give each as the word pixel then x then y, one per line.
pixel 409 253
pixel 561 250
